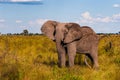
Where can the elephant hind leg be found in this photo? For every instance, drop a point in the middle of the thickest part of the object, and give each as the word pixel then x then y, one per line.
pixel 95 60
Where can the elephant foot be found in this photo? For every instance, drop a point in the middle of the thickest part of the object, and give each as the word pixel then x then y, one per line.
pixel 71 65
pixel 96 67
pixel 61 65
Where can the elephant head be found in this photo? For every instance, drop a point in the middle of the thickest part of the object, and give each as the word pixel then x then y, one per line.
pixel 48 29
pixel 62 30
pixel 59 31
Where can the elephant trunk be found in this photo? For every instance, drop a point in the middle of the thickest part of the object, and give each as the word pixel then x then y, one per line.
pixel 60 49
pixel 59 36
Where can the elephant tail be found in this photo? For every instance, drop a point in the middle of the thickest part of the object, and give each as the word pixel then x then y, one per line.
pixel 87 62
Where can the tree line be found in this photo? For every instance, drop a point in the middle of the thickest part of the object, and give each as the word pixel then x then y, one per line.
pixel 26 32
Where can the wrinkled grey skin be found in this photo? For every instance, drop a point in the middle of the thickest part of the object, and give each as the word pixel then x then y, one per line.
pixel 74 38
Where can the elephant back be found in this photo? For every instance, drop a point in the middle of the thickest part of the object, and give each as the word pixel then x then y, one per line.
pixel 87 30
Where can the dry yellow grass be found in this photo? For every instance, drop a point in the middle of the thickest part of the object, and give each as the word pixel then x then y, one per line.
pixel 35 58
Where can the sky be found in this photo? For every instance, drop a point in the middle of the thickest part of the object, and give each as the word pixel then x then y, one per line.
pixel 103 16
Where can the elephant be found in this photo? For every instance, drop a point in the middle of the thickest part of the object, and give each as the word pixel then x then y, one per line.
pixel 71 38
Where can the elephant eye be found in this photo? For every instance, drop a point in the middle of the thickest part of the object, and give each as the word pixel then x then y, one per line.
pixel 65 32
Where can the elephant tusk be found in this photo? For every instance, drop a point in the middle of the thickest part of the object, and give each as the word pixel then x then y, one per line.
pixel 87 62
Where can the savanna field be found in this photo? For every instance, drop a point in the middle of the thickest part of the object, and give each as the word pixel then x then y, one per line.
pixel 35 58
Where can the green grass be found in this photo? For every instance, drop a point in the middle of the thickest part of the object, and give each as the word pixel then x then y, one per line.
pixel 35 58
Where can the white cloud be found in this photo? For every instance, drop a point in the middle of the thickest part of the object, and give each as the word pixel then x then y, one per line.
pixel 18 21
pixel 116 5
pixel 41 21
pixel 2 20
pixel 104 19
pixel 24 0
pixel 116 17
pixel 87 18
pixel 38 22
pixel 23 26
pixel 86 15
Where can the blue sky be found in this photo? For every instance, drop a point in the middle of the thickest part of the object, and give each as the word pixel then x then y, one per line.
pixel 16 15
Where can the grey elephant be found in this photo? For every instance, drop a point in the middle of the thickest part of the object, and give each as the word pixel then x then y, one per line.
pixel 71 38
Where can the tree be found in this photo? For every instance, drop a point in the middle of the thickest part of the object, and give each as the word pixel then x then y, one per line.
pixel 119 32
pixel 25 32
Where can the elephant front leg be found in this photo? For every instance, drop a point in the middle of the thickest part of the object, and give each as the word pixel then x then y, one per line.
pixel 61 55
pixel 71 48
pixel 61 59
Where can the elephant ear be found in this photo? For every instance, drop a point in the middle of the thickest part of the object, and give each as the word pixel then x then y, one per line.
pixel 74 32
pixel 48 29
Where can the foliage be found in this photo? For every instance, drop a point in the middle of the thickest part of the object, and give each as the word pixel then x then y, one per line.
pixel 25 32
pixel 35 58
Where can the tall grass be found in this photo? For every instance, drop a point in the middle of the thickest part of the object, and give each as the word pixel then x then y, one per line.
pixel 35 58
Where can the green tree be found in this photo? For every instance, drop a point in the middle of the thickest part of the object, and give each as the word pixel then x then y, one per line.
pixel 119 32
pixel 25 32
